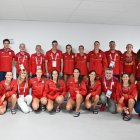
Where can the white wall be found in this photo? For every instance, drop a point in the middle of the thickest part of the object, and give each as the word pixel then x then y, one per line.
pixel 34 32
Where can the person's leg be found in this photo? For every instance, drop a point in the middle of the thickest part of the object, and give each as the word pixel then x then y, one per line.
pixel 131 103
pixel 119 108
pixel 79 100
pixel 59 100
pixel 43 101
pixel 35 104
pixel 3 108
pixel 137 106
pixel 50 105
pixel 88 103
pixel 22 104
pixel 111 106
pixel 103 100
pixel 95 100
pixel 13 100
pixel 28 99
pixel 70 104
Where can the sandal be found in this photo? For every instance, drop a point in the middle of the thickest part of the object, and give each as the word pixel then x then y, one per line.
pixel 95 111
pixel 43 108
pixel 13 111
pixel 57 110
pixel 76 114
pixel 127 118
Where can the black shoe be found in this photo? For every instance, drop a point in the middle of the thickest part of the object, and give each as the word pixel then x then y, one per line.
pixel 76 114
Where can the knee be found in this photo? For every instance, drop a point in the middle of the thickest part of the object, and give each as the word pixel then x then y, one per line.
pixel 44 101
pixel 59 99
pixel 131 102
pixel 119 109
pixel 35 106
pixel 14 97
pixel 68 107
pixel 79 97
pixel 97 97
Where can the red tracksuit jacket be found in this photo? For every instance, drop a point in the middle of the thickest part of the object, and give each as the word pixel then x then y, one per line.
pixel 37 61
pixel 94 89
pixel 22 59
pixel 81 63
pixel 97 62
pixel 8 90
pixel 115 57
pixel 52 91
pixel 68 62
pixel 23 89
pixel 38 87
pixel 50 57
pixel 6 58
pixel 131 92
pixel 73 86
pixel 109 85
pixel 128 64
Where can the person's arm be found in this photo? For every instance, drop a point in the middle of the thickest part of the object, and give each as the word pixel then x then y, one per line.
pixel 98 90
pixel 13 91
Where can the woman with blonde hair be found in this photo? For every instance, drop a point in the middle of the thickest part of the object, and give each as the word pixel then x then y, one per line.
pixel 24 98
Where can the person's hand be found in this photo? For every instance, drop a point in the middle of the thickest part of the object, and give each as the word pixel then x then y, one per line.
pixel 61 73
pixel 2 98
pixel 47 74
pixel 121 100
pixel 88 96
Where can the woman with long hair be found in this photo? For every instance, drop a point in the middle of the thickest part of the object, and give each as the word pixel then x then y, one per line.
pixel 8 89
pixel 68 61
pixel 93 92
pixel 77 89
pixel 55 90
pixel 37 85
pixel 24 99
pixel 126 93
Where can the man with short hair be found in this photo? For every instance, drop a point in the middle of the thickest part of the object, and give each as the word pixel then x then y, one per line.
pixel 108 95
pixel 6 58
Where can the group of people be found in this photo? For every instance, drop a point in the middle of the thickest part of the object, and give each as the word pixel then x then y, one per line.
pixel 98 79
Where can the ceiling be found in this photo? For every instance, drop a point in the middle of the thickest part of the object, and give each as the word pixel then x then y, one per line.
pixel 116 12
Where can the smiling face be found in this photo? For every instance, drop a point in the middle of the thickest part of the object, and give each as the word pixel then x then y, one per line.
pixel 39 73
pixel 109 74
pixel 6 44
pixel 125 78
pixel 112 45
pixel 92 76
pixel 68 49
pixel 23 74
pixel 76 73
pixel 129 47
pixel 38 49
pixel 81 49
pixel 54 46
pixel 22 47
pixel 9 76
pixel 54 75
pixel 96 45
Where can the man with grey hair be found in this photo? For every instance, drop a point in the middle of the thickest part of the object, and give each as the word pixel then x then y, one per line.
pixel 37 61
pixel 108 96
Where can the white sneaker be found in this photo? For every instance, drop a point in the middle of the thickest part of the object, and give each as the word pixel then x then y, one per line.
pixel 30 109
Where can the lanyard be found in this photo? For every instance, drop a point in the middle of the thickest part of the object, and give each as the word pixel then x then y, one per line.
pixel 114 57
pixel 112 83
pixel 53 57
pixel 23 89
pixel 22 60
pixel 40 61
